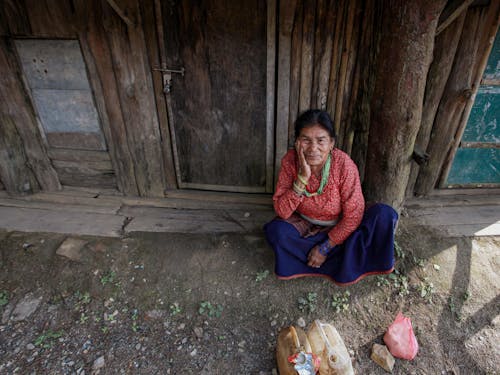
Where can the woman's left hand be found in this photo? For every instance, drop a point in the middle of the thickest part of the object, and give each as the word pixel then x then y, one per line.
pixel 314 258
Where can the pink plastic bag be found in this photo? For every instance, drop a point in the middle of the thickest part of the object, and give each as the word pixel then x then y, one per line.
pixel 400 338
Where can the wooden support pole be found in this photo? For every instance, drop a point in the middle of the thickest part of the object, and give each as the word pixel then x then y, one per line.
pixel 451 12
pixel 457 92
pixel 444 53
pixel 405 56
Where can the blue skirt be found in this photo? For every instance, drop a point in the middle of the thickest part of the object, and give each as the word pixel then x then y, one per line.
pixel 368 250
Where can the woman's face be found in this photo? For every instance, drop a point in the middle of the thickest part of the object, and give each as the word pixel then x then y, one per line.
pixel 316 144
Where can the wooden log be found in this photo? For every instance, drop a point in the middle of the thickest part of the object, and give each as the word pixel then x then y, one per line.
pixel 370 38
pixel 334 70
pixel 14 166
pixel 295 62
pixel 307 59
pixel 272 10
pixel 352 81
pixel 14 103
pixel 453 10
pixel 444 53
pixel 343 72
pixel 153 32
pixel 99 61
pixel 456 93
pixel 405 56
pixel 286 15
pixel 135 90
pixel 325 31
pixel 489 28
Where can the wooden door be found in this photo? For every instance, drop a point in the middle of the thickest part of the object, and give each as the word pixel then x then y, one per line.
pixel 221 108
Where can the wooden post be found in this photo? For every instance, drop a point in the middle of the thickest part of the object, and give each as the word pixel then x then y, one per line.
pixel 295 62
pixel 444 52
pixel 404 59
pixel 135 89
pixel 286 21
pixel 15 106
pixel 14 166
pixel 368 49
pixel 457 91
pixel 307 60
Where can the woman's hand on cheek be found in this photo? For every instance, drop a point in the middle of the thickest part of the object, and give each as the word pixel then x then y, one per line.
pixel 304 168
pixel 314 258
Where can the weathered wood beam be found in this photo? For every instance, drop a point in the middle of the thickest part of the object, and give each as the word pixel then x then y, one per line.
pixel 451 12
pixel 286 22
pixel 16 105
pixel 445 49
pixel 406 46
pixel 457 91
pixel 14 166
pixel 125 12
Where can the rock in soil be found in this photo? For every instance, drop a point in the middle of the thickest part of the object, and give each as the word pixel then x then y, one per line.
pixel 382 357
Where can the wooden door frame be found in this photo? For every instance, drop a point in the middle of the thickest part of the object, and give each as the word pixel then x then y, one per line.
pixel 270 108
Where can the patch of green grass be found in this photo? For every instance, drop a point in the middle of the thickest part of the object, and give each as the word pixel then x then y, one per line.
pixel 398 251
pixel 382 280
pixel 46 340
pixel 209 309
pixel 400 282
pixel 134 317
pixel 4 298
pixel 426 290
pixel 308 303
pixel 418 261
pixel 261 275
pixel 108 277
pixel 340 301
pixel 82 299
pixel 83 318
pixel 175 309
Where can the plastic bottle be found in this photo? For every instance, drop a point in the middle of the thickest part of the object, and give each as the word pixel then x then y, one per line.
pixel 327 344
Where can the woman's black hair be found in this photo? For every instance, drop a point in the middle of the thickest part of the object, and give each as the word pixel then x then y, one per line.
pixel 312 117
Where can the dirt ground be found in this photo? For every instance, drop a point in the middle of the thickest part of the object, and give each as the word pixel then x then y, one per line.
pixel 159 303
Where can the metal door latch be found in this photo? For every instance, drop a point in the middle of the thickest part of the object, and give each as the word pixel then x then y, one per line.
pixel 167 77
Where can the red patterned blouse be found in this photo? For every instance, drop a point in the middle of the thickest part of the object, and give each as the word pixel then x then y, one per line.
pixel 342 198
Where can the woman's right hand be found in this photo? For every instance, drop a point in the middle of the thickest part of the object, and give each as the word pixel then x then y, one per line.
pixel 304 168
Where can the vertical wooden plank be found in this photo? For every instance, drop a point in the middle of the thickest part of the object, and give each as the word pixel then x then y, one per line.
pixel 367 56
pixel 307 59
pixel 51 18
pixel 352 81
pixel 153 33
pixel 14 18
pixel 295 62
pixel 99 61
pixel 334 70
pixel 344 73
pixel 14 166
pixel 135 90
pixel 286 20
pixel 270 92
pixel 295 69
pixel 456 93
pixel 15 105
pixel 444 52
pixel 325 32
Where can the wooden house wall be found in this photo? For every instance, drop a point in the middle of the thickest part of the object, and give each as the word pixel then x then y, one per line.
pixel 118 56
pixel 326 58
